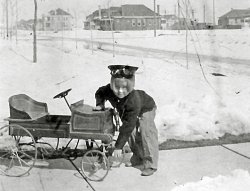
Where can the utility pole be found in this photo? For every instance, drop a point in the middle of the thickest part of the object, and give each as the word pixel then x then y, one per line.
pixel 16 20
pixel 179 16
pixel 193 14
pixel 75 28
pixel 175 9
pixel 154 21
pixel 186 32
pixel 111 28
pixel 213 13
pixel 11 19
pixel 7 19
pixel 3 16
pixel 91 36
pixel 204 13
pixel 34 34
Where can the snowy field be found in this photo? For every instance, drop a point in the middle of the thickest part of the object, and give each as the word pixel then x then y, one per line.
pixel 193 104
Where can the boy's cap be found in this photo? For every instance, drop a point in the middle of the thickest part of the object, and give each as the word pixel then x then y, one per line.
pixel 120 71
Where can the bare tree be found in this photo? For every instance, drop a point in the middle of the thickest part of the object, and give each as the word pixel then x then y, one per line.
pixel 34 34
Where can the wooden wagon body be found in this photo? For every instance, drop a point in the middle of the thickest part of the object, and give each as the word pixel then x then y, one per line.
pixel 84 123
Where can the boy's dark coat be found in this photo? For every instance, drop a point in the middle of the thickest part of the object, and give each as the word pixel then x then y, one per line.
pixel 130 108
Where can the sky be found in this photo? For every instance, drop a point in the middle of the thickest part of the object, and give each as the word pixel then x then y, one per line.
pixel 82 8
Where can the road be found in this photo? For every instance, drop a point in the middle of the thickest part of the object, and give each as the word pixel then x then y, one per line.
pixel 156 53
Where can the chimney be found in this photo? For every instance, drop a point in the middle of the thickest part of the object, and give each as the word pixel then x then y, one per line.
pixel 100 11
pixel 158 9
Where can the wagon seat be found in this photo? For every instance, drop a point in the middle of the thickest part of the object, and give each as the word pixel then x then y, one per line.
pixel 24 107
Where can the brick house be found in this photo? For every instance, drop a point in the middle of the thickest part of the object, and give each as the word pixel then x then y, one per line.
pixel 235 18
pixel 57 20
pixel 126 17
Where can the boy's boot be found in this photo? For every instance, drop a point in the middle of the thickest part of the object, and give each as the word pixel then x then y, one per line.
pixel 148 172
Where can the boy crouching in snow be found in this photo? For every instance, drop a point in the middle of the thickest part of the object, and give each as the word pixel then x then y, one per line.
pixel 137 112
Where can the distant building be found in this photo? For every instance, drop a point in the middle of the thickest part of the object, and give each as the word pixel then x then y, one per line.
pixel 183 24
pixel 126 17
pixel 236 18
pixel 57 20
pixel 168 21
pixel 28 24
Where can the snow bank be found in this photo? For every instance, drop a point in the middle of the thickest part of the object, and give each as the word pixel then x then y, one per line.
pixel 203 119
pixel 238 180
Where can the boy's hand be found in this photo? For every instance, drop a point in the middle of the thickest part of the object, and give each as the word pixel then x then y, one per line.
pixel 98 108
pixel 117 153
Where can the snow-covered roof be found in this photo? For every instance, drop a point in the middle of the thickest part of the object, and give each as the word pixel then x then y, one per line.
pixel 58 12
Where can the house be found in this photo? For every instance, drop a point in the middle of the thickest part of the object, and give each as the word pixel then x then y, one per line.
pixel 168 21
pixel 57 20
pixel 28 24
pixel 126 17
pixel 236 18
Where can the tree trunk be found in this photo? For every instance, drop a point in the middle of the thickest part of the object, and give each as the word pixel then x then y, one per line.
pixel 34 34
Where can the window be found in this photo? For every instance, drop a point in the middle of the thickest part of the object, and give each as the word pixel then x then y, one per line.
pixel 133 22
pixel 138 22
pixel 144 22
pixel 247 20
pixel 48 18
pixel 47 24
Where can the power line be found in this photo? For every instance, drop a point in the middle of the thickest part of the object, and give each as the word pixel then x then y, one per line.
pixel 197 54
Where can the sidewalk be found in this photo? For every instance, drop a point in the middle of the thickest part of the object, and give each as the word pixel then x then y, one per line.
pixel 176 167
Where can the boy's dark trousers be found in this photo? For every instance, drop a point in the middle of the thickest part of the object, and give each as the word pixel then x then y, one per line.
pixel 144 141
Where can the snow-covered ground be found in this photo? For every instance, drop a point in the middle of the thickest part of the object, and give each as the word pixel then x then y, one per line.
pixel 192 103
pixel 238 180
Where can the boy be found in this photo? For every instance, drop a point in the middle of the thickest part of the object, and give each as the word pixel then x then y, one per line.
pixel 137 111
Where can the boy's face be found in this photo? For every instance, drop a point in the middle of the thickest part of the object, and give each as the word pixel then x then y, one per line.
pixel 122 86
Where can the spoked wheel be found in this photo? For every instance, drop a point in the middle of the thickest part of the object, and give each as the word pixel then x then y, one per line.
pixel 18 150
pixel 95 165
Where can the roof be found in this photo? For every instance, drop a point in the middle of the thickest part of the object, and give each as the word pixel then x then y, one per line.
pixel 114 11
pixel 58 12
pixel 235 13
pixel 124 11
pixel 136 10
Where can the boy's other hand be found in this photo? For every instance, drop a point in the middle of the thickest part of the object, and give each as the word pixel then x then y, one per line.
pixel 117 153
pixel 97 108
